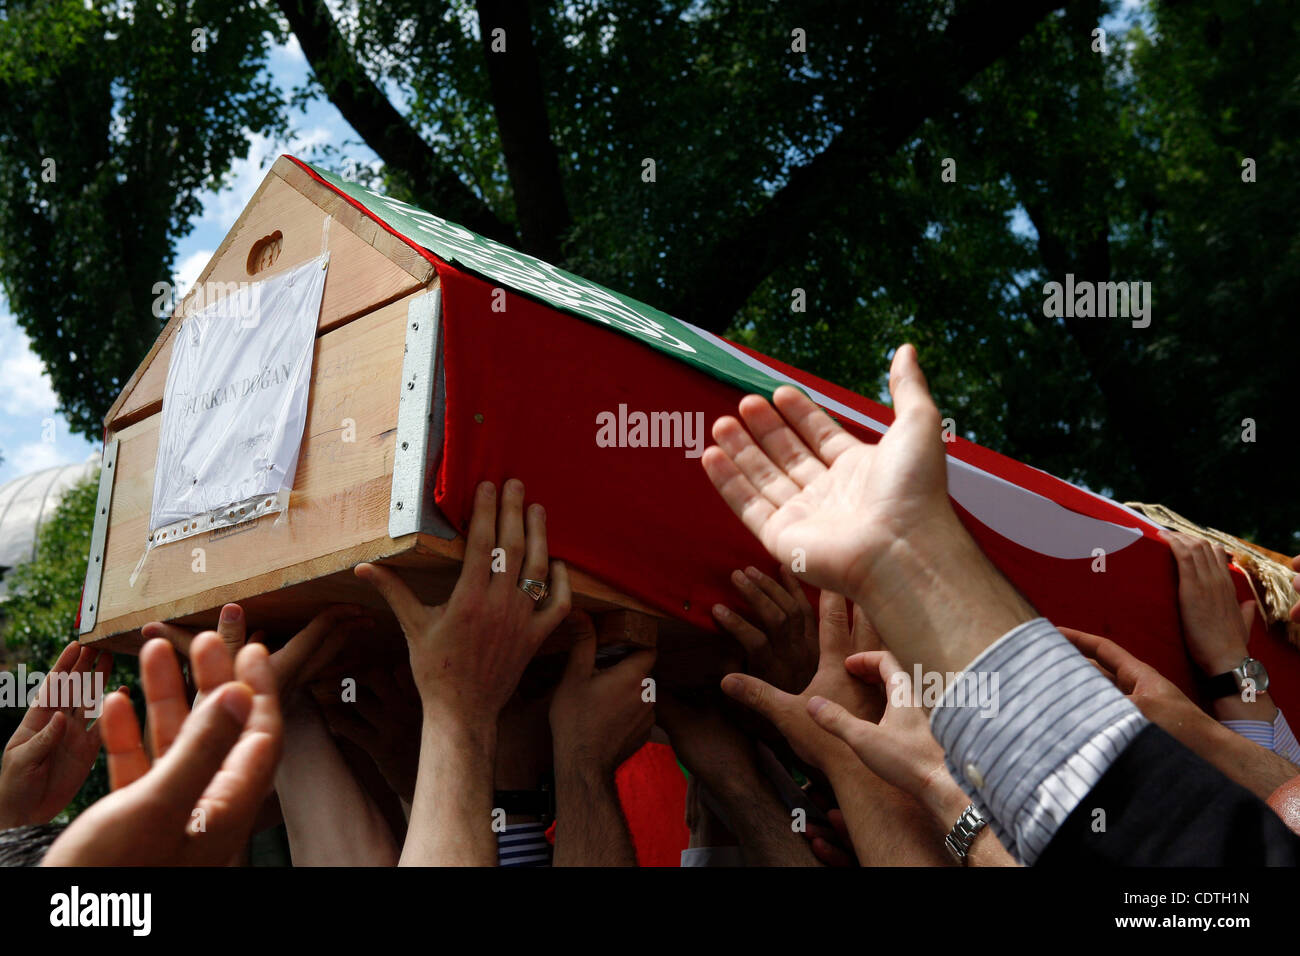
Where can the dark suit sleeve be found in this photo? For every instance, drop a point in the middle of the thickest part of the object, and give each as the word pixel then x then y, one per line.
pixel 1165 806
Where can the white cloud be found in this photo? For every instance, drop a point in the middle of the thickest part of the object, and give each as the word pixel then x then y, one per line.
pixel 25 388
pixel 38 455
pixel 289 53
pixel 288 69
pixel 188 269
pixel 224 206
pixel 27 417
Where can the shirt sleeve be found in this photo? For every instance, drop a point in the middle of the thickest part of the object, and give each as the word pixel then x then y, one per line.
pixel 713 856
pixel 523 844
pixel 1275 736
pixel 1039 734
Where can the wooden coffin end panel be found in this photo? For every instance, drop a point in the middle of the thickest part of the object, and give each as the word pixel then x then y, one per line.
pixel 282 227
pixel 338 509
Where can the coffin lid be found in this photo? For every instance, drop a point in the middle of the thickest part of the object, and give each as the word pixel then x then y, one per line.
pixel 443 241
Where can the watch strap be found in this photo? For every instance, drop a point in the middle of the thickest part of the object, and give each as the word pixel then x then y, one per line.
pixel 1221 685
pixel 532 803
pixel 963 833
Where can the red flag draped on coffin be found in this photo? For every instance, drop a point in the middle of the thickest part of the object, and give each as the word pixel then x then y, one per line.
pixel 548 375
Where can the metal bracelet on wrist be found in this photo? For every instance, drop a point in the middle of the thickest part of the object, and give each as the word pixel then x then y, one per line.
pixel 963 833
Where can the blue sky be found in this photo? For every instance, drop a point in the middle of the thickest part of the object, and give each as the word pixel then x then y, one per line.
pixel 27 401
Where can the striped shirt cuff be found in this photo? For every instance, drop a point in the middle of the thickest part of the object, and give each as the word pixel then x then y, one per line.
pixel 713 856
pixel 1275 736
pixel 1053 727
pixel 523 844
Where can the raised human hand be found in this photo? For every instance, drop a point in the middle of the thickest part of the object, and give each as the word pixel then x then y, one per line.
pixel 1159 699
pixel 196 802
pixel 599 718
pixel 872 522
pixel 294 664
pixel 468 654
pixel 1216 626
pixel 384 721
pixel 899 748
pixel 50 755
pixel 807 489
pixel 782 648
pixel 232 628
pixel 789 713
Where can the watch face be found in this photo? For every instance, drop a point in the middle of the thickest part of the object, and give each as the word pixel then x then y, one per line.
pixel 1255 671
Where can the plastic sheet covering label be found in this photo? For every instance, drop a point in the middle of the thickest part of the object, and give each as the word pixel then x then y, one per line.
pixel 235 406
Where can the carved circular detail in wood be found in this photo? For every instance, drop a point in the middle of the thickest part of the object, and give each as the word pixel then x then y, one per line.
pixel 264 252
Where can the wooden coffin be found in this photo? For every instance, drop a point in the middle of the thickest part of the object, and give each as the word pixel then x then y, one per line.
pixel 369 447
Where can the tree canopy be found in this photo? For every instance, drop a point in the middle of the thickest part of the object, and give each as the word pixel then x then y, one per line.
pixel 829 180
pixel 111 126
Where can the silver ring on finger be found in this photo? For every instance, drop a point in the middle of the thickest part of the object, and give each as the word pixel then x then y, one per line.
pixel 537 590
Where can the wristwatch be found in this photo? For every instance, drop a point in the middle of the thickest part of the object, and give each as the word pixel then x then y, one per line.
pixel 1230 683
pixel 538 803
pixel 963 833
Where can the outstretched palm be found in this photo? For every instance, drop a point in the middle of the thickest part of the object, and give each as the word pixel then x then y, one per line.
pixel 818 497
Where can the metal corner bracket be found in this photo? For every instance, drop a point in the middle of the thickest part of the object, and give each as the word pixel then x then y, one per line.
pixel 419 424
pixel 98 539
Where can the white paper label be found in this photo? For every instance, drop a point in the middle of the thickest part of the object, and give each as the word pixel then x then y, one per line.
pixel 235 405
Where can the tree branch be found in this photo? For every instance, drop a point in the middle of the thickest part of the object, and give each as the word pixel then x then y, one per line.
pixel 1122 392
pixel 1081 247
pixel 515 76
pixel 979 34
pixel 383 128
